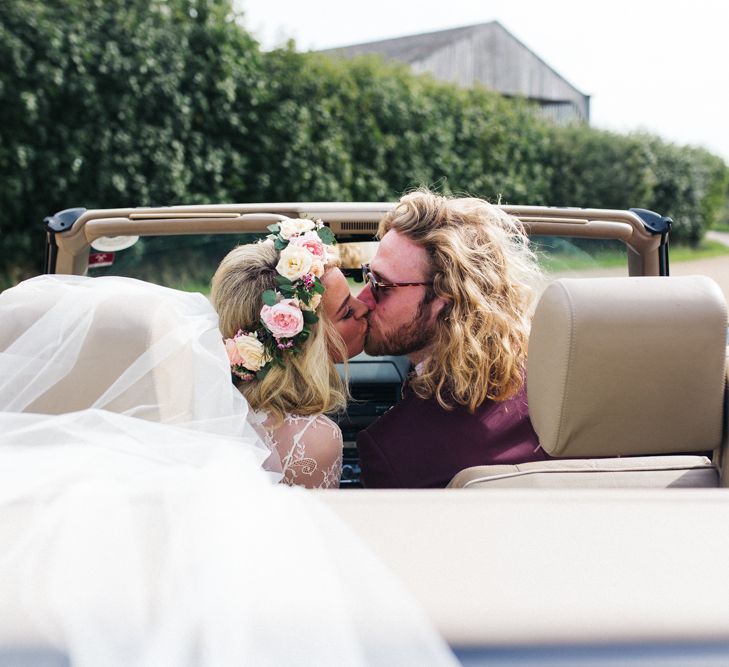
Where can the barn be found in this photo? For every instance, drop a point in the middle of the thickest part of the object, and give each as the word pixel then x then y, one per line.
pixel 486 54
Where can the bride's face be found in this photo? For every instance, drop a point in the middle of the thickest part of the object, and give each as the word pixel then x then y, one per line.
pixel 348 314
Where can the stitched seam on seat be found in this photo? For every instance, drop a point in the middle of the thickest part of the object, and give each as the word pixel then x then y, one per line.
pixel 725 360
pixel 524 473
pixel 560 423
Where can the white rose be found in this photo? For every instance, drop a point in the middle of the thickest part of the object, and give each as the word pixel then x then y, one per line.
pixel 294 226
pixel 313 302
pixel 252 352
pixel 294 263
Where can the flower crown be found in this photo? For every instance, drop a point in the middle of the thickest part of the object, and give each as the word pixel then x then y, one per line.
pixel 290 309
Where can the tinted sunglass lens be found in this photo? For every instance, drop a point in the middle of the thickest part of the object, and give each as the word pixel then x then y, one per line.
pixel 373 284
pixel 370 280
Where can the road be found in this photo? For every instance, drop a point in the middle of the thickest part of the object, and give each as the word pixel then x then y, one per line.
pixel 717 268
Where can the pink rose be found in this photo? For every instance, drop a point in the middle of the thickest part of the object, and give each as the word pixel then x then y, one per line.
pixel 232 349
pixel 312 243
pixel 284 320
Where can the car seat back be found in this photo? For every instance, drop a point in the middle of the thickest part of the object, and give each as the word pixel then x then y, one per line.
pixel 722 454
pixel 122 355
pixel 623 367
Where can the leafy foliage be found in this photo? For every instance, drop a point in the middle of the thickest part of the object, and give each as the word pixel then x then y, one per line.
pixel 116 103
pixel 107 103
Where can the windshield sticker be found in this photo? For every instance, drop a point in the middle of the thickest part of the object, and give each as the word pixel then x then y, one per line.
pixel 98 260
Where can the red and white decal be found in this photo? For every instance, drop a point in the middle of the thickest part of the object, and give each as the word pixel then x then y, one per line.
pixel 98 260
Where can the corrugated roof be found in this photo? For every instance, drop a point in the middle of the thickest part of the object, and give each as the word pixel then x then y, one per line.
pixel 414 49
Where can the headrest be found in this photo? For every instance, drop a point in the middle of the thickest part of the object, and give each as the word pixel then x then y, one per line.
pixel 628 366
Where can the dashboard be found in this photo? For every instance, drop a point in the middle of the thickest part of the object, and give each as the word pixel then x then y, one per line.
pixel 375 385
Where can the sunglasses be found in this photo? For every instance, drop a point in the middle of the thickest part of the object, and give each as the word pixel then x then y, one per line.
pixel 378 286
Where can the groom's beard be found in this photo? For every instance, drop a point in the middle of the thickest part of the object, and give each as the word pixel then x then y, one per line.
pixel 409 337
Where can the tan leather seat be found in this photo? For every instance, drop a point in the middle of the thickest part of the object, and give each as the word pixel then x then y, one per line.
pixel 125 327
pixel 722 454
pixel 623 367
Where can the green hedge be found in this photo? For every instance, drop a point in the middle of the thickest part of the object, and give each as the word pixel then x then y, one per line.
pixel 136 102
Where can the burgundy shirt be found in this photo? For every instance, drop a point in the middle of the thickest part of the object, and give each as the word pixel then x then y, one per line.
pixel 418 444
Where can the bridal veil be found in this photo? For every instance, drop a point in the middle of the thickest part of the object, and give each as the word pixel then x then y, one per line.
pixel 139 515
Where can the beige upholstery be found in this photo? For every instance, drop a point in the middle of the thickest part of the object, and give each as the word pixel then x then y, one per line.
pixel 628 366
pixel 525 568
pixel 723 452
pixel 122 330
pixel 623 367
pixel 631 472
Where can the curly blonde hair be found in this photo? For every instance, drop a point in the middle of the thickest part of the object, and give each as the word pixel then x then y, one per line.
pixel 484 270
pixel 308 383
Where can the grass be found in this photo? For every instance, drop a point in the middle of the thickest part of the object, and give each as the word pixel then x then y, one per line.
pixel 706 249
pixel 562 258
pixel 559 261
pixel 556 261
pixel 191 285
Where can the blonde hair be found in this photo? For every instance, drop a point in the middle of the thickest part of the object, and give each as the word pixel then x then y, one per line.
pixel 308 383
pixel 484 270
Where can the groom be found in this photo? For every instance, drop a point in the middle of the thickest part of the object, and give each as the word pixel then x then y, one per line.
pixel 449 288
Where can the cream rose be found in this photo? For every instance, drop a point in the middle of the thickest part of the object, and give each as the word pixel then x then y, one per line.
pixel 294 263
pixel 313 302
pixel 284 319
pixel 294 226
pixel 251 351
pixel 312 242
pixel 317 268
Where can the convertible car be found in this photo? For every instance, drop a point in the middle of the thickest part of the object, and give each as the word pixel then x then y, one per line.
pixel 608 554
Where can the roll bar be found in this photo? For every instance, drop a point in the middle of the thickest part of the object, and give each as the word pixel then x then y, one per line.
pixel 70 232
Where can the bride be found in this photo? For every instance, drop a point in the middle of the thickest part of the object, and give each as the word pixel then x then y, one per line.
pixel 287 315
pixel 139 510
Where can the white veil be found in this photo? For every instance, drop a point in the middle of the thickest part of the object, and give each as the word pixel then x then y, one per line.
pixel 138 526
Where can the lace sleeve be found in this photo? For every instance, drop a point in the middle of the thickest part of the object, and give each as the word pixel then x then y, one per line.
pixel 311 452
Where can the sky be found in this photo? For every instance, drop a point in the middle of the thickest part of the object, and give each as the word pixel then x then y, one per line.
pixel 661 67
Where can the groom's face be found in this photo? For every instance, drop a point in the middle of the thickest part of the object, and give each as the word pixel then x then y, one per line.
pixel 401 320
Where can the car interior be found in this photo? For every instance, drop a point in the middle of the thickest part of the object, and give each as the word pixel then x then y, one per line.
pixel 611 397
pixel 612 394
pixel 619 397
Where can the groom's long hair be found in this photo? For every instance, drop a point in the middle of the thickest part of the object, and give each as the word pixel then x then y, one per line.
pixel 483 268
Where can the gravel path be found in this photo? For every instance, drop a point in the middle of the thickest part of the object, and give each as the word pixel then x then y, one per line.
pixel 716 268
pixel 722 237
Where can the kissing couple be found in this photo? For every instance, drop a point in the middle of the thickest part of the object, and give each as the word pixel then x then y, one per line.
pixel 452 286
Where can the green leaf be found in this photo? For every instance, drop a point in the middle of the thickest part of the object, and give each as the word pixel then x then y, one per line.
pixel 283 280
pixel 310 317
pixel 326 235
pixel 275 228
pixel 287 290
pixel 304 296
pixel 280 244
pixel 269 297
pixel 318 288
pixel 263 372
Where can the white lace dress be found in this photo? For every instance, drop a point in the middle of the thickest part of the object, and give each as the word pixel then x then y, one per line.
pixel 310 448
